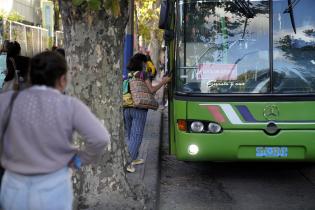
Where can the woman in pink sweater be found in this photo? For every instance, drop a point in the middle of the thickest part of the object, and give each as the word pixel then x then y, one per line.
pixel 37 146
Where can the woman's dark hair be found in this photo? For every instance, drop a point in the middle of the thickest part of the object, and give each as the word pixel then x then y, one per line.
pixel 13 49
pixel 136 62
pixel 61 51
pixel 46 68
pixel 53 48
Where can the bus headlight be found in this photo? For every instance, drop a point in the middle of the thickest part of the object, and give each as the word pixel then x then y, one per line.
pixel 214 128
pixel 193 149
pixel 197 126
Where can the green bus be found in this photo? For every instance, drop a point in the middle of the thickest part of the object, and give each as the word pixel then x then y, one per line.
pixel 243 79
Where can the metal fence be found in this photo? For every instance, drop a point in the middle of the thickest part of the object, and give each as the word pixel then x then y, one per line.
pixel 31 38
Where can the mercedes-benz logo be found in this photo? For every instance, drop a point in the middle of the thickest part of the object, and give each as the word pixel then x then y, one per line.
pixel 271 112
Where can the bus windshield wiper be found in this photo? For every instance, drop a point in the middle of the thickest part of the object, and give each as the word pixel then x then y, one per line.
pixel 244 7
pixel 245 26
pixel 291 5
pixel 289 10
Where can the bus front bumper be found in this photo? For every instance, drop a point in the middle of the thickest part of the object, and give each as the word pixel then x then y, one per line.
pixel 246 145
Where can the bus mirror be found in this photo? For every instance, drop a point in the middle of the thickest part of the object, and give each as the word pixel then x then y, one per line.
pixel 165 15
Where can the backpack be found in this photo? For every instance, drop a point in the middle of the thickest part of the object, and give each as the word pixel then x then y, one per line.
pixel 127 99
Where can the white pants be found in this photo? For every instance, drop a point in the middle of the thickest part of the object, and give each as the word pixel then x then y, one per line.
pixel 41 192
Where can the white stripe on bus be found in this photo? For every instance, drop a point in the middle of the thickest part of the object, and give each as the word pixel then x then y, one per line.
pixel 235 120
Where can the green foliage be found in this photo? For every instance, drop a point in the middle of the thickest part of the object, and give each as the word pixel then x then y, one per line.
pixel 50 42
pixel 96 5
pixel 114 6
pixel 13 16
pixel 77 2
pixel 91 4
pixel 148 18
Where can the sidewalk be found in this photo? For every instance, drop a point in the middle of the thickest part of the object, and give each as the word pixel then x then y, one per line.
pixel 149 172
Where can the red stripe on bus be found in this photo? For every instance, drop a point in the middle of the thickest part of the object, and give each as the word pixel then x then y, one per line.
pixel 215 110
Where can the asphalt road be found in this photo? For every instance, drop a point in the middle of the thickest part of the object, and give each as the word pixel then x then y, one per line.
pixel 224 186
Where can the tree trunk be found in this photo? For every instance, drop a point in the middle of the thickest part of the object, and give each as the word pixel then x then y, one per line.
pixel 155 43
pixel 94 46
pixel 56 16
pixel 136 29
pixel 154 47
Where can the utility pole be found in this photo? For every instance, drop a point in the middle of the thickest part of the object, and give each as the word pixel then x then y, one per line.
pixel 128 47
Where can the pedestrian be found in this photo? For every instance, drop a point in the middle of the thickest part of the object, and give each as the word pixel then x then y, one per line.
pixel 61 51
pixel 37 144
pixel 4 47
pixel 135 118
pixel 53 48
pixel 3 58
pixel 11 76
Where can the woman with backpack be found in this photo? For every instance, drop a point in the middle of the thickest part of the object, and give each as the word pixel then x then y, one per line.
pixel 135 118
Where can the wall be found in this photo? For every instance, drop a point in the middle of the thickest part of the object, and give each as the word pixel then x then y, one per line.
pixel 29 9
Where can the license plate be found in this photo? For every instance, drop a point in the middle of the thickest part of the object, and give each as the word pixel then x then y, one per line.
pixel 271 151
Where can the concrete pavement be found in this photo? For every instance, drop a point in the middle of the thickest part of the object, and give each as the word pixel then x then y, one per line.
pixel 149 172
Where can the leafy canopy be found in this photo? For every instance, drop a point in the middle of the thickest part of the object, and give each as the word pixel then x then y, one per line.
pixel 96 5
pixel 13 16
pixel 148 17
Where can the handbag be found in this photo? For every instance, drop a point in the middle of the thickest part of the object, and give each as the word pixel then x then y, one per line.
pixel 5 127
pixel 141 96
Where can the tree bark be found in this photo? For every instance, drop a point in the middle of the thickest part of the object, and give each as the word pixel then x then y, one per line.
pixel 94 46
pixel 56 15
pixel 155 43
pixel 136 29
pixel 154 47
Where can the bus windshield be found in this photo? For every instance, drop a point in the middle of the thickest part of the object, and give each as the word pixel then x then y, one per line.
pixel 236 47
